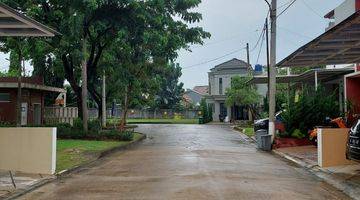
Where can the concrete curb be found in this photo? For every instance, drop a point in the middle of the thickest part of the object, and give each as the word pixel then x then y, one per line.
pixel 243 135
pixel 323 174
pixel 74 169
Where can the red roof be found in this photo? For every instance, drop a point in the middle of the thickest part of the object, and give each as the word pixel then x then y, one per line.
pixel 203 90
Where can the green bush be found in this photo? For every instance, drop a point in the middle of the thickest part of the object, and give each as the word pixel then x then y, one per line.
pixel 63 130
pixel 127 136
pixel 298 134
pixel 66 131
pixel 117 135
pixel 6 124
pixel 206 111
pixel 94 125
pixel 311 110
pixel 78 124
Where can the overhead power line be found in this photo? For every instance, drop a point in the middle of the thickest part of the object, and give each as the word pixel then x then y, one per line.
pixel 284 4
pixel 282 12
pixel 295 33
pixel 215 59
pixel 258 40
pixel 261 45
pixel 312 9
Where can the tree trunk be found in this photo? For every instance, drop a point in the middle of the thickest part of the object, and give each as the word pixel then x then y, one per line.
pixel 125 110
pixel 103 102
pixel 84 90
pixel 19 93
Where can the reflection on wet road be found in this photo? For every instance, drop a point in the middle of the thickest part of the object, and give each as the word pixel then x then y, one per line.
pixel 190 162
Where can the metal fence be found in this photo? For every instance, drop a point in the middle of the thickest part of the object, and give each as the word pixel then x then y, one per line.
pixel 147 114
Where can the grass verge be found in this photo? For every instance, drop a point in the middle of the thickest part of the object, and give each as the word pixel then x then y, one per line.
pixel 248 131
pixel 71 153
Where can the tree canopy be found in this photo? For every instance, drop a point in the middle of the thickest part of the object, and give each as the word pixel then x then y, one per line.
pixel 134 42
pixel 242 94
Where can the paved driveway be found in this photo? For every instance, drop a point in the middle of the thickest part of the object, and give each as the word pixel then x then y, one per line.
pixel 190 162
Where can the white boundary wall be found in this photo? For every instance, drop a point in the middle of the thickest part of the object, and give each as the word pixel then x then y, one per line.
pixel 28 150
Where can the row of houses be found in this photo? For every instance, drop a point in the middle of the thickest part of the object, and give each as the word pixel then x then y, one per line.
pixel 338 49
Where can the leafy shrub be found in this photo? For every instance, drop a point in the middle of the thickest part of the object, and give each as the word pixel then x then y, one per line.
pixel 311 110
pixel 298 134
pixel 94 125
pixel 66 131
pixel 117 135
pixel 6 124
pixel 78 124
pixel 63 130
pixel 206 111
pixel 127 136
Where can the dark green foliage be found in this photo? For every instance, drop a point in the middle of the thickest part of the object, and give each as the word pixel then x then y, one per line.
pixel 6 124
pixel 94 125
pixel 243 94
pixel 206 111
pixel 298 134
pixel 171 91
pixel 126 136
pixel 66 131
pixel 311 110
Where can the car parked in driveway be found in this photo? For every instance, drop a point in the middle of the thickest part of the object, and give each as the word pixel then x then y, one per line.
pixel 264 123
pixel 353 146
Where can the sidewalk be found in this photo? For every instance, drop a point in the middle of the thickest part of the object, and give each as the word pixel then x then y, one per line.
pixel 23 182
pixel 345 178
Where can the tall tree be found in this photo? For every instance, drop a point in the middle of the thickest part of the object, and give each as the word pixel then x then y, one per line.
pixel 242 94
pixel 171 91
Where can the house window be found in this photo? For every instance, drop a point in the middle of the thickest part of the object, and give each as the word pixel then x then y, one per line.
pixel 4 97
pixel 220 86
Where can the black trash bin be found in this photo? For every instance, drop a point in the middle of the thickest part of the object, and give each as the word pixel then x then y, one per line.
pixel 258 135
pixel 266 142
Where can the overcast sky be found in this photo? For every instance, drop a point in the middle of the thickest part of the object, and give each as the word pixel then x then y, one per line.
pixel 233 23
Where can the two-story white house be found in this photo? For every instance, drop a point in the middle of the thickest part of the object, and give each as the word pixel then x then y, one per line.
pixel 219 80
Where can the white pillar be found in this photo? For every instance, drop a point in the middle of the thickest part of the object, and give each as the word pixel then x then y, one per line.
pixel 229 113
pixel 217 111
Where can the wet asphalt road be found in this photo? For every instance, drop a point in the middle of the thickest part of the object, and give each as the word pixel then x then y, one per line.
pixel 190 162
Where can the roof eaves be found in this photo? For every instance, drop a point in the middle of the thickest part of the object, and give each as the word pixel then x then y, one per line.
pixel 23 18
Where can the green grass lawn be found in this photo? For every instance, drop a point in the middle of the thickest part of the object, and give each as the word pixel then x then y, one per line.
pixel 249 131
pixel 159 121
pixel 71 153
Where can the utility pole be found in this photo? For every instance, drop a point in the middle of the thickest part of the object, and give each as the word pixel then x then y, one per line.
pixel 267 55
pixel 248 56
pixel 272 72
pixel 104 100
pixel 84 91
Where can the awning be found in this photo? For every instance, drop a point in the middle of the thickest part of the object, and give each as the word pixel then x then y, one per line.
pixel 339 45
pixel 279 79
pixel 12 85
pixel 322 76
pixel 13 23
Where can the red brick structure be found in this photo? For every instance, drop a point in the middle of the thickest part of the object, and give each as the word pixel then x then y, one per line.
pixel 33 92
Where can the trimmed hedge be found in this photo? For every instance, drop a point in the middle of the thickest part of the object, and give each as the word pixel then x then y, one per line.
pixel 66 131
